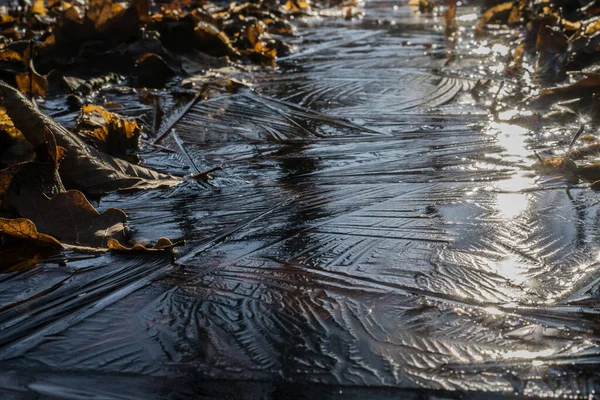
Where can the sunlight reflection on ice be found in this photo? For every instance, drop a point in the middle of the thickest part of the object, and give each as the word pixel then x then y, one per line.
pixel 526 354
pixel 518 181
pixel 511 205
pixel 511 268
pixel 511 137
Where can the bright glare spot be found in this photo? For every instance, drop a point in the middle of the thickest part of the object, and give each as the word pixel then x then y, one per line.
pixel 511 268
pixel 500 49
pixel 509 114
pixel 511 205
pixel 493 311
pixel 467 17
pixel 498 68
pixel 511 137
pixel 537 363
pixel 482 51
pixel 524 354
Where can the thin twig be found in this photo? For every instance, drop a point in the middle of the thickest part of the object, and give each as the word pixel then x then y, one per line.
pixel 576 136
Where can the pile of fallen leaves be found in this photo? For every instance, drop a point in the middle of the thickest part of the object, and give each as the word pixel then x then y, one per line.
pixel 551 74
pixel 47 170
pixel 145 40
pixel 556 64
pixel 75 48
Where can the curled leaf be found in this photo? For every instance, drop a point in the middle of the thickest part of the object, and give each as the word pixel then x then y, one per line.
pixel 556 165
pixel 551 46
pixel 152 70
pixel 450 16
pixel 22 246
pixel 161 244
pixel 31 83
pixel 24 229
pixel 38 7
pixel 584 151
pixel 14 148
pixel 591 172
pixel 83 167
pixel 69 217
pixel 214 41
pixel 500 12
pixel 112 134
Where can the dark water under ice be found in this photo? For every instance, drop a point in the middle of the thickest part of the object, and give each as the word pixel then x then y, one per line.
pixel 373 234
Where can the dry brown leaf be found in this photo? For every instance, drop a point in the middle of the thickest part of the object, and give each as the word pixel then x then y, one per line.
pixel 264 50
pixel 116 136
pixel 143 9
pixel 254 31
pixel 69 217
pixel 152 70
pixel 49 40
pixel 297 6
pixel 500 12
pixel 591 172
pixel 11 56
pixel 588 138
pixel 101 12
pixel 83 167
pixel 551 47
pixel 24 229
pixel 23 246
pixel 31 83
pixel 214 41
pixel 74 14
pixel 7 126
pixel 591 26
pixel 553 165
pixel 585 151
pixel 518 55
pixel 585 87
pixel 515 16
pixel 450 16
pixel 38 7
pixel 161 244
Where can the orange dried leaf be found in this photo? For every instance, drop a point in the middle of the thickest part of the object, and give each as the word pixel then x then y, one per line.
pixel 499 12
pixel 70 217
pixel 297 6
pixel 585 87
pixel 115 134
pixel 161 244
pixel 450 14
pixel 102 11
pixel 143 9
pixel 11 56
pixel 8 127
pixel 24 246
pixel 592 27
pixel 32 84
pixel 24 229
pixel 553 165
pixel 38 7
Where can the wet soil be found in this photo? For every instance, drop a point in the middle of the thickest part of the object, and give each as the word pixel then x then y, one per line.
pixel 373 234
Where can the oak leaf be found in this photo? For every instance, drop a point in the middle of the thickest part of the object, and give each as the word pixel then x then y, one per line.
pixel 23 246
pixel 69 217
pixel 161 244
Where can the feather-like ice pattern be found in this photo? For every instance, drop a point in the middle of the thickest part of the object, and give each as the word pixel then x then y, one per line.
pixel 367 231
